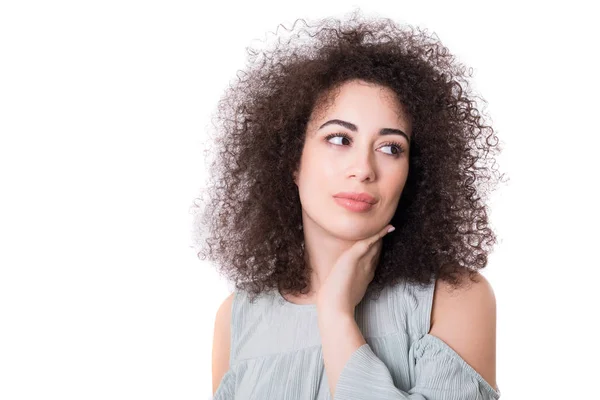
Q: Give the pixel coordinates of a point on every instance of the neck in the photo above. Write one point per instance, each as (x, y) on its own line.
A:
(322, 250)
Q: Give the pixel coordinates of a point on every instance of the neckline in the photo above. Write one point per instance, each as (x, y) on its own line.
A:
(288, 304)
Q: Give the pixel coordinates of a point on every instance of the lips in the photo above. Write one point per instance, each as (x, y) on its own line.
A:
(353, 205)
(364, 197)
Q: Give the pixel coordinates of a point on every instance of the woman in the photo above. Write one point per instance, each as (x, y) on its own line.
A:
(327, 143)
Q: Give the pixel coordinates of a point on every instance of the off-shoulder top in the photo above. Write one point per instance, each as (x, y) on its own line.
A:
(276, 353)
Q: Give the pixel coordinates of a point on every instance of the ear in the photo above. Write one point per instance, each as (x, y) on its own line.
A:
(295, 177)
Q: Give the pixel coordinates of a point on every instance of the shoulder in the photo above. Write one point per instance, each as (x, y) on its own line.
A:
(221, 341)
(223, 318)
(476, 300)
(225, 307)
(465, 318)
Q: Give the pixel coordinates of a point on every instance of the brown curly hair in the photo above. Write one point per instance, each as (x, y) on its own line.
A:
(251, 219)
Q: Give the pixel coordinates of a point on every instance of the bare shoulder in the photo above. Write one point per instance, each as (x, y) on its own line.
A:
(465, 319)
(225, 307)
(221, 341)
(475, 297)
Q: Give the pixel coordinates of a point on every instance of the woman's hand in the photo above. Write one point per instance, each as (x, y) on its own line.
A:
(349, 278)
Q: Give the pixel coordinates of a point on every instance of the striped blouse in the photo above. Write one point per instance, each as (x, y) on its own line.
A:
(276, 352)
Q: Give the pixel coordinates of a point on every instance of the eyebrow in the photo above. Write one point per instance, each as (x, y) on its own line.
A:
(354, 128)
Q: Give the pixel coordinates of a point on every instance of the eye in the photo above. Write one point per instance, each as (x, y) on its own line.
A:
(399, 148)
(338, 135)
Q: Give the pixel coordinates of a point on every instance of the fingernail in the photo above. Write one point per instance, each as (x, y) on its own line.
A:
(391, 229)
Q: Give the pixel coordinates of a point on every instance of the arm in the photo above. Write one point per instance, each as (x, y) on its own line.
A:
(341, 338)
(444, 364)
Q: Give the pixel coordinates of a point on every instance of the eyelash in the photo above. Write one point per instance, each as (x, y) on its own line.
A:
(341, 134)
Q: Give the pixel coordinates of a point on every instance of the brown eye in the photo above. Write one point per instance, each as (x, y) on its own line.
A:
(397, 146)
(342, 135)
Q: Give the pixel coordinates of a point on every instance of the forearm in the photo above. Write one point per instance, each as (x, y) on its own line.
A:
(340, 338)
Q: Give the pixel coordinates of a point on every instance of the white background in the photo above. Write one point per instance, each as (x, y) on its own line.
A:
(103, 106)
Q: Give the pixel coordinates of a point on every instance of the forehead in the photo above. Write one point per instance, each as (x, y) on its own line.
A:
(360, 100)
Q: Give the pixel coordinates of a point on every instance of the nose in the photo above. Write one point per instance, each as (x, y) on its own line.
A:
(362, 167)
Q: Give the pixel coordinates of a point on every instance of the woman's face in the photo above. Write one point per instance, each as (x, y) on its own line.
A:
(366, 161)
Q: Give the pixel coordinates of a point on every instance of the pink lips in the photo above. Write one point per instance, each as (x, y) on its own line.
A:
(355, 201)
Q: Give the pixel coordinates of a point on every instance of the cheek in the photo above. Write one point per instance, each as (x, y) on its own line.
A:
(319, 167)
(316, 180)
(393, 184)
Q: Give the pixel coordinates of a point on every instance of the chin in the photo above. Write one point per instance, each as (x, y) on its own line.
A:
(353, 230)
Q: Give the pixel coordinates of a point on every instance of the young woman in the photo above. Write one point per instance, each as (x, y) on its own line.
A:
(325, 144)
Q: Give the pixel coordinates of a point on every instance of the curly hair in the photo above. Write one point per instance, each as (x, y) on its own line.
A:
(251, 215)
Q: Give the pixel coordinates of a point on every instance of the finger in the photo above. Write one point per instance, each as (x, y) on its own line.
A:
(388, 228)
(373, 239)
(363, 246)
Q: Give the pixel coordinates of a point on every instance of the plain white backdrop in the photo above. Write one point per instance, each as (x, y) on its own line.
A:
(103, 106)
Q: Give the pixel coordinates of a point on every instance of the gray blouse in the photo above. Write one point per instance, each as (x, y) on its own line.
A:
(276, 352)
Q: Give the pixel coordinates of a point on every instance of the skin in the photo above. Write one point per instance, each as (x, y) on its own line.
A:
(366, 163)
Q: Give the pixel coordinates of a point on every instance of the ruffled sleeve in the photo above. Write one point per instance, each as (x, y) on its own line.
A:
(440, 374)
(226, 389)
